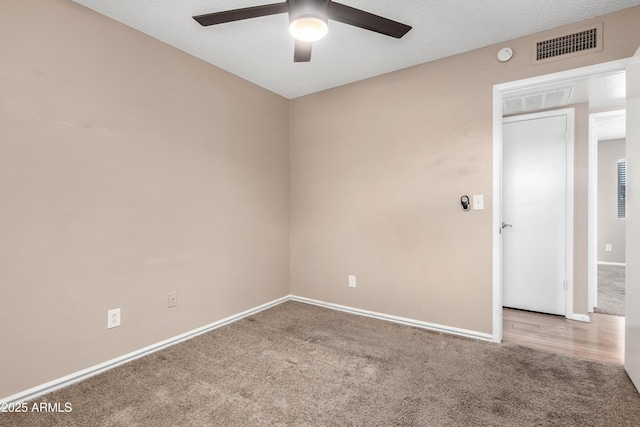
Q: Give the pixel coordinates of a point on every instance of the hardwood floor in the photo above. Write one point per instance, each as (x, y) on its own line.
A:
(601, 340)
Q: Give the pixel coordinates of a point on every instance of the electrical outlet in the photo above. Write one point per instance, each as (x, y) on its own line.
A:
(173, 299)
(608, 247)
(113, 318)
(352, 281)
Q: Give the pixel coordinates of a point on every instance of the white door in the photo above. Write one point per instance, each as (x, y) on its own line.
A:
(534, 211)
(632, 303)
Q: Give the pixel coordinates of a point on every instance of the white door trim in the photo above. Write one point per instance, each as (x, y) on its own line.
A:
(569, 113)
(499, 91)
(632, 252)
(592, 238)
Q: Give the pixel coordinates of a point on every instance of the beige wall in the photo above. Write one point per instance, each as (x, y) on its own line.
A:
(611, 230)
(127, 170)
(580, 209)
(377, 170)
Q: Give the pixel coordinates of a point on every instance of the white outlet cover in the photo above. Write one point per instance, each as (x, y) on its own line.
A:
(113, 318)
(173, 299)
(352, 281)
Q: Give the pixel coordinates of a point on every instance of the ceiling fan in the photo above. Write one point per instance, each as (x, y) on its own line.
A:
(308, 21)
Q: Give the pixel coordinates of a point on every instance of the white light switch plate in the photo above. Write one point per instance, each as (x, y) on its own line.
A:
(478, 201)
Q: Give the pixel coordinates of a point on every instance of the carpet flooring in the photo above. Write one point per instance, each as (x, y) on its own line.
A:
(611, 290)
(301, 365)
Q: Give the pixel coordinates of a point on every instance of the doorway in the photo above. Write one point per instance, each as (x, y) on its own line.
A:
(501, 92)
(607, 207)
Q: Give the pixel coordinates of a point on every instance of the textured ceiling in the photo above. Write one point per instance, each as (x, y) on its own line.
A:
(261, 50)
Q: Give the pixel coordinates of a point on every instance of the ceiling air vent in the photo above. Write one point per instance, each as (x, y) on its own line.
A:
(516, 104)
(562, 46)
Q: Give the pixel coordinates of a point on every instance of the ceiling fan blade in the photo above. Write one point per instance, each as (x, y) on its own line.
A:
(302, 51)
(368, 21)
(240, 14)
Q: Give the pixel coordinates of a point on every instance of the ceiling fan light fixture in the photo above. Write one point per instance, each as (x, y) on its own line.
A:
(308, 28)
(308, 21)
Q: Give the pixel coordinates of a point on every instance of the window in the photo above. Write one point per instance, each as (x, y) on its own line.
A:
(622, 189)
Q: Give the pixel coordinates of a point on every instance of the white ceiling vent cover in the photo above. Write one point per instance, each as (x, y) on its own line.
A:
(567, 45)
(537, 101)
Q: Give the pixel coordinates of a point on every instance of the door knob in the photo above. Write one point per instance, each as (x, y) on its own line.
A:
(506, 225)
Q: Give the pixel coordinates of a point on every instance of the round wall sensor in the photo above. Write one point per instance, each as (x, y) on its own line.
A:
(505, 54)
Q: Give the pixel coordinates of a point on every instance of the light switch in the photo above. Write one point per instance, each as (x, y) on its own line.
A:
(478, 201)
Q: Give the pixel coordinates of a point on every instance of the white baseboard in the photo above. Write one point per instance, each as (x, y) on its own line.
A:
(620, 264)
(402, 320)
(579, 317)
(84, 374)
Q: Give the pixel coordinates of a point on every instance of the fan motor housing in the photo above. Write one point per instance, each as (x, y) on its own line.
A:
(308, 8)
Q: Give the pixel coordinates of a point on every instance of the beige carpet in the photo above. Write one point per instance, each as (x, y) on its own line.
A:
(611, 289)
(301, 365)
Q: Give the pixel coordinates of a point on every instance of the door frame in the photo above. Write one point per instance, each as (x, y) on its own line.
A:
(592, 238)
(499, 91)
(569, 113)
